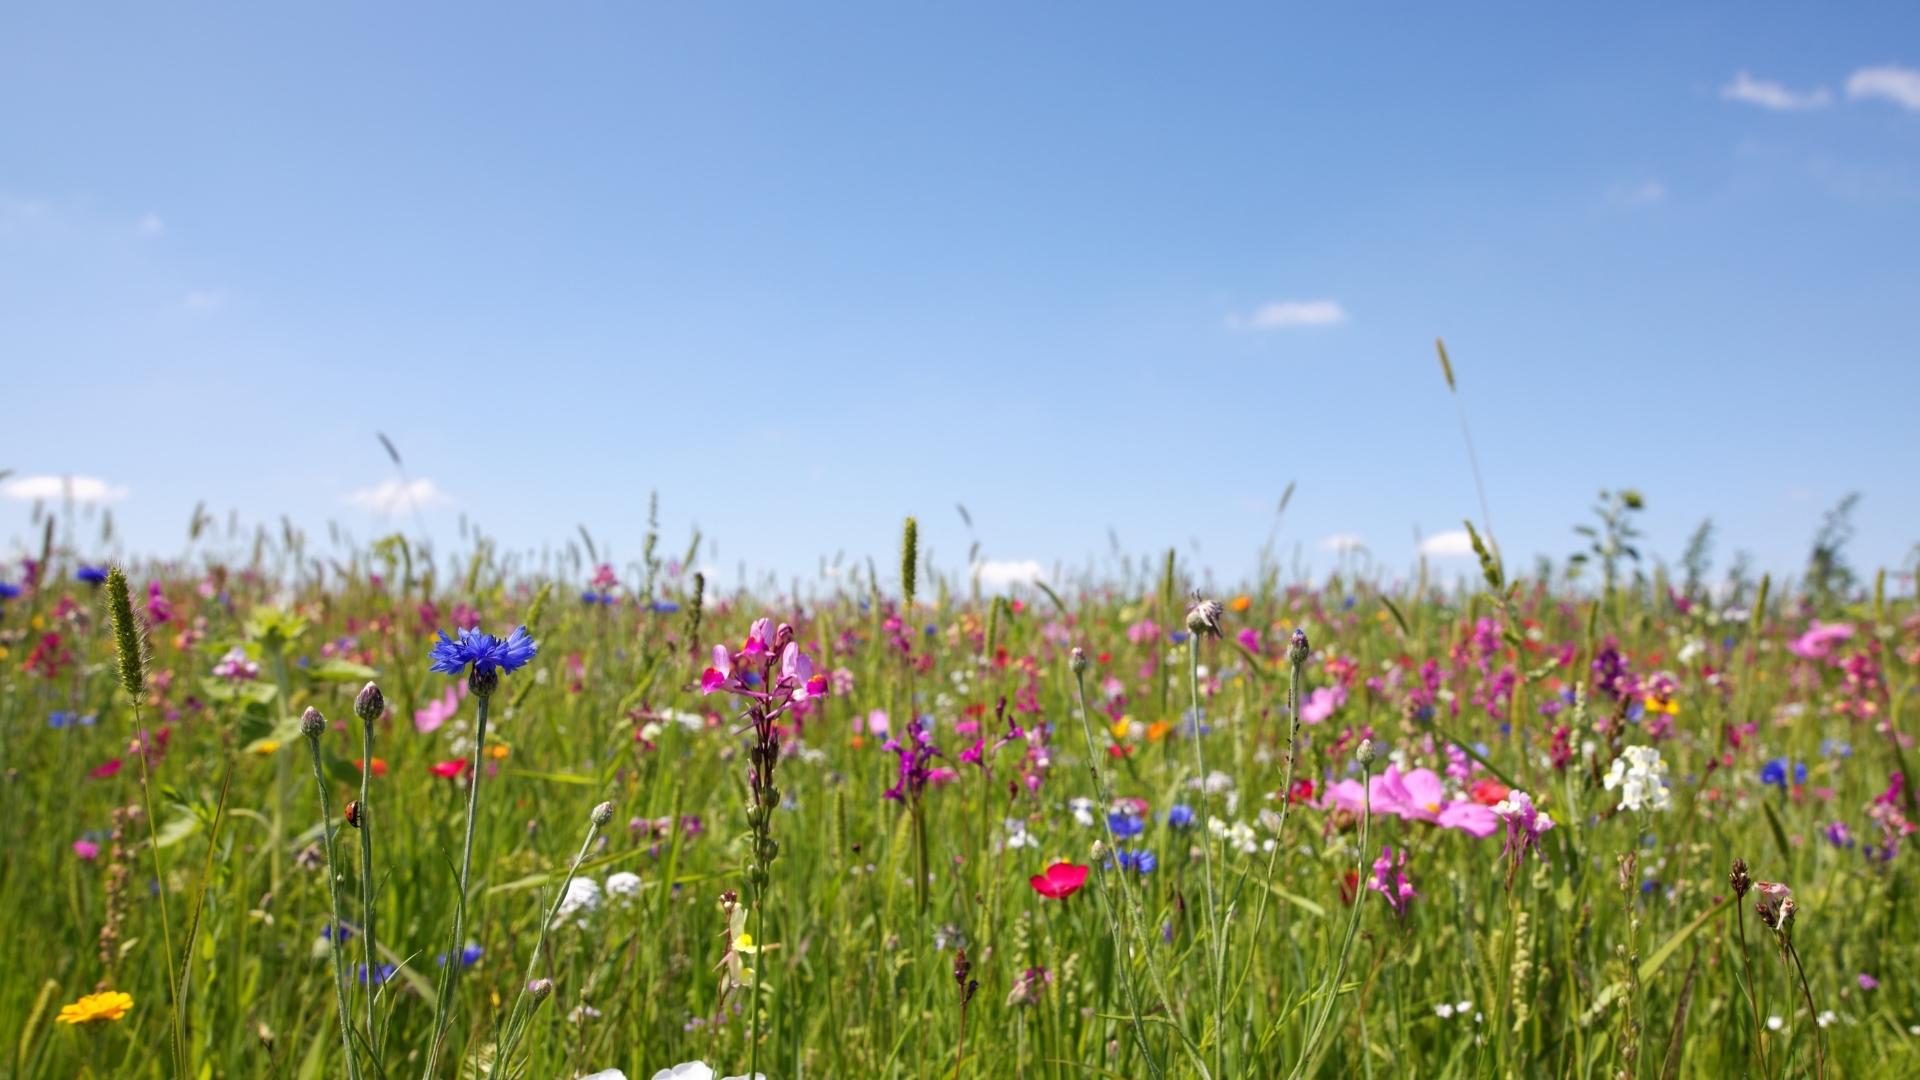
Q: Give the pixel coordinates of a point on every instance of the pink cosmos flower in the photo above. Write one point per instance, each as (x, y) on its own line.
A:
(438, 711)
(1415, 796)
(1819, 640)
(1321, 704)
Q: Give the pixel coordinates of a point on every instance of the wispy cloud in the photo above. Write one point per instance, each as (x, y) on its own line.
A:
(1000, 573)
(1285, 314)
(1453, 544)
(1887, 82)
(1341, 543)
(81, 489)
(1772, 95)
(393, 497)
(1645, 193)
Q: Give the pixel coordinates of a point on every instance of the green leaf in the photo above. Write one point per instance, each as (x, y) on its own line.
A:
(341, 671)
(1779, 832)
(1651, 964)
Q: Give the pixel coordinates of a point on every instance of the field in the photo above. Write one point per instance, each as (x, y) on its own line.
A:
(1495, 824)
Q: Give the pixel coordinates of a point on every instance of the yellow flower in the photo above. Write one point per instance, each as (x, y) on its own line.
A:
(499, 751)
(744, 944)
(1121, 727)
(94, 1008)
(265, 747)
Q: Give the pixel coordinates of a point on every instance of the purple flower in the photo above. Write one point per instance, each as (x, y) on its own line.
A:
(1390, 881)
(916, 763)
(484, 652)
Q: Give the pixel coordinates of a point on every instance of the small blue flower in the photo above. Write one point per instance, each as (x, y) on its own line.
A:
(1178, 637)
(1125, 826)
(1774, 773)
(61, 718)
(92, 575)
(484, 651)
(469, 956)
(381, 973)
(591, 597)
(326, 932)
(1180, 815)
(665, 607)
(1140, 862)
(8, 590)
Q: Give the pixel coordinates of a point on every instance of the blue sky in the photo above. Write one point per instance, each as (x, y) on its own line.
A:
(805, 269)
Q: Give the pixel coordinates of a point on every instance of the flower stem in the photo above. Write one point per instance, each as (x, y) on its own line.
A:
(1332, 991)
(517, 1018)
(366, 879)
(1759, 1036)
(338, 947)
(451, 984)
(1819, 1055)
(1216, 957)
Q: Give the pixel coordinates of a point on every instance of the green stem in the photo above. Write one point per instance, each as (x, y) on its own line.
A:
(337, 946)
(442, 1014)
(517, 1018)
(1332, 991)
(366, 877)
(1215, 956)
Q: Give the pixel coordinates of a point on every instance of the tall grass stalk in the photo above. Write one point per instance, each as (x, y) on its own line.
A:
(313, 725)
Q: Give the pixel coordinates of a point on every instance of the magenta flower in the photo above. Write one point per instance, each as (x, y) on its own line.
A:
(1819, 640)
(797, 675)
(1390, 881)
(437, 711)
(1525, 823)
(1321, 704)
(720, 676)
(1418, 795)
(86, 849)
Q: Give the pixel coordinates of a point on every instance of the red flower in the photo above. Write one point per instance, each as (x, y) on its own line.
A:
(1488, 792)
(379, 766)
(1349, 887)
(105, 769)
(1302, 792)
(1060, 881)
(451, 768)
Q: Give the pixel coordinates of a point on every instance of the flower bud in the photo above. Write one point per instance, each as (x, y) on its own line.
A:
(1099, 851)
(603, 813)
(1204, 617)
(1739, 879)
(1077, 660)
(541, 989)
(1297, 648)
(1365, 753)
(312, 724)
(371, 703)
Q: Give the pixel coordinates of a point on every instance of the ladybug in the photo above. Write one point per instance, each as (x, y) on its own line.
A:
(353, 813)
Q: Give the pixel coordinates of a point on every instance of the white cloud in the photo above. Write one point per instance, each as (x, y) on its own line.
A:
(151, 225)
(204, 300)
(1773, 95)
(1452, 544)
(999, 573)
(393, 497)
(1341, 543)
(1283, 314)
(1645, 193)
(1887, 82)
(81, 489)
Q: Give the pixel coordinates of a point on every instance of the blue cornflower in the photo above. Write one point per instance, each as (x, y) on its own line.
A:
(1140, 862)
(1180, 815)
(381, 973)
(61, 718)
(92, 575)
(484, 651)
(469, 956)
(591, 597)
(326, 932)
(665, 607)
(1774, 773)
(1178, 637)
(1125, 826)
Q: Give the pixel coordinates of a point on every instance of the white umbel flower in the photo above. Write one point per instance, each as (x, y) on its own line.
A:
(1641, 778)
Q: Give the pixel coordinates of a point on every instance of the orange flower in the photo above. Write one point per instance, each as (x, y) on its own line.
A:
(1240, 604)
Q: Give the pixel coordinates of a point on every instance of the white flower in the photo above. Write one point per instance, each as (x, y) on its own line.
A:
(582, 899)
(606, 1074)
(1642, 779)
(1082, 810)
(1827, 1016)
(1018, 836)
(1774, 1023)
(1443, 1010)
(1215, 783)
(624, 885)
(1239, 835)
(696, 1070)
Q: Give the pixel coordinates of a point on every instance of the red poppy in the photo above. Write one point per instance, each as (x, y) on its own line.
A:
(1488, 792)
(379, 765)
(1060, 881)
(451, 768)
(1349, 887)
(1302, 792)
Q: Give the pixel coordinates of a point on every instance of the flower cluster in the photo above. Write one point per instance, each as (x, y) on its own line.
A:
(1641, 778)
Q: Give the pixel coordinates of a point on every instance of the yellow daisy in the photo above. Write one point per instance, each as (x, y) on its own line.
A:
(94, 1008)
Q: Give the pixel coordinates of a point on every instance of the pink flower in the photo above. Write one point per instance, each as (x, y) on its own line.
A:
(1818, 642)
(1390, 881)
(1250, 638)
(1060, 881)
(1321, 704)
(1415, 796)
(105, 769)
(438, 711)
(720, 675)
(86, 849)
(797, 674)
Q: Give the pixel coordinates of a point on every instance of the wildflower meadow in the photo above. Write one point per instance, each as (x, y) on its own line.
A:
(274, 807)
